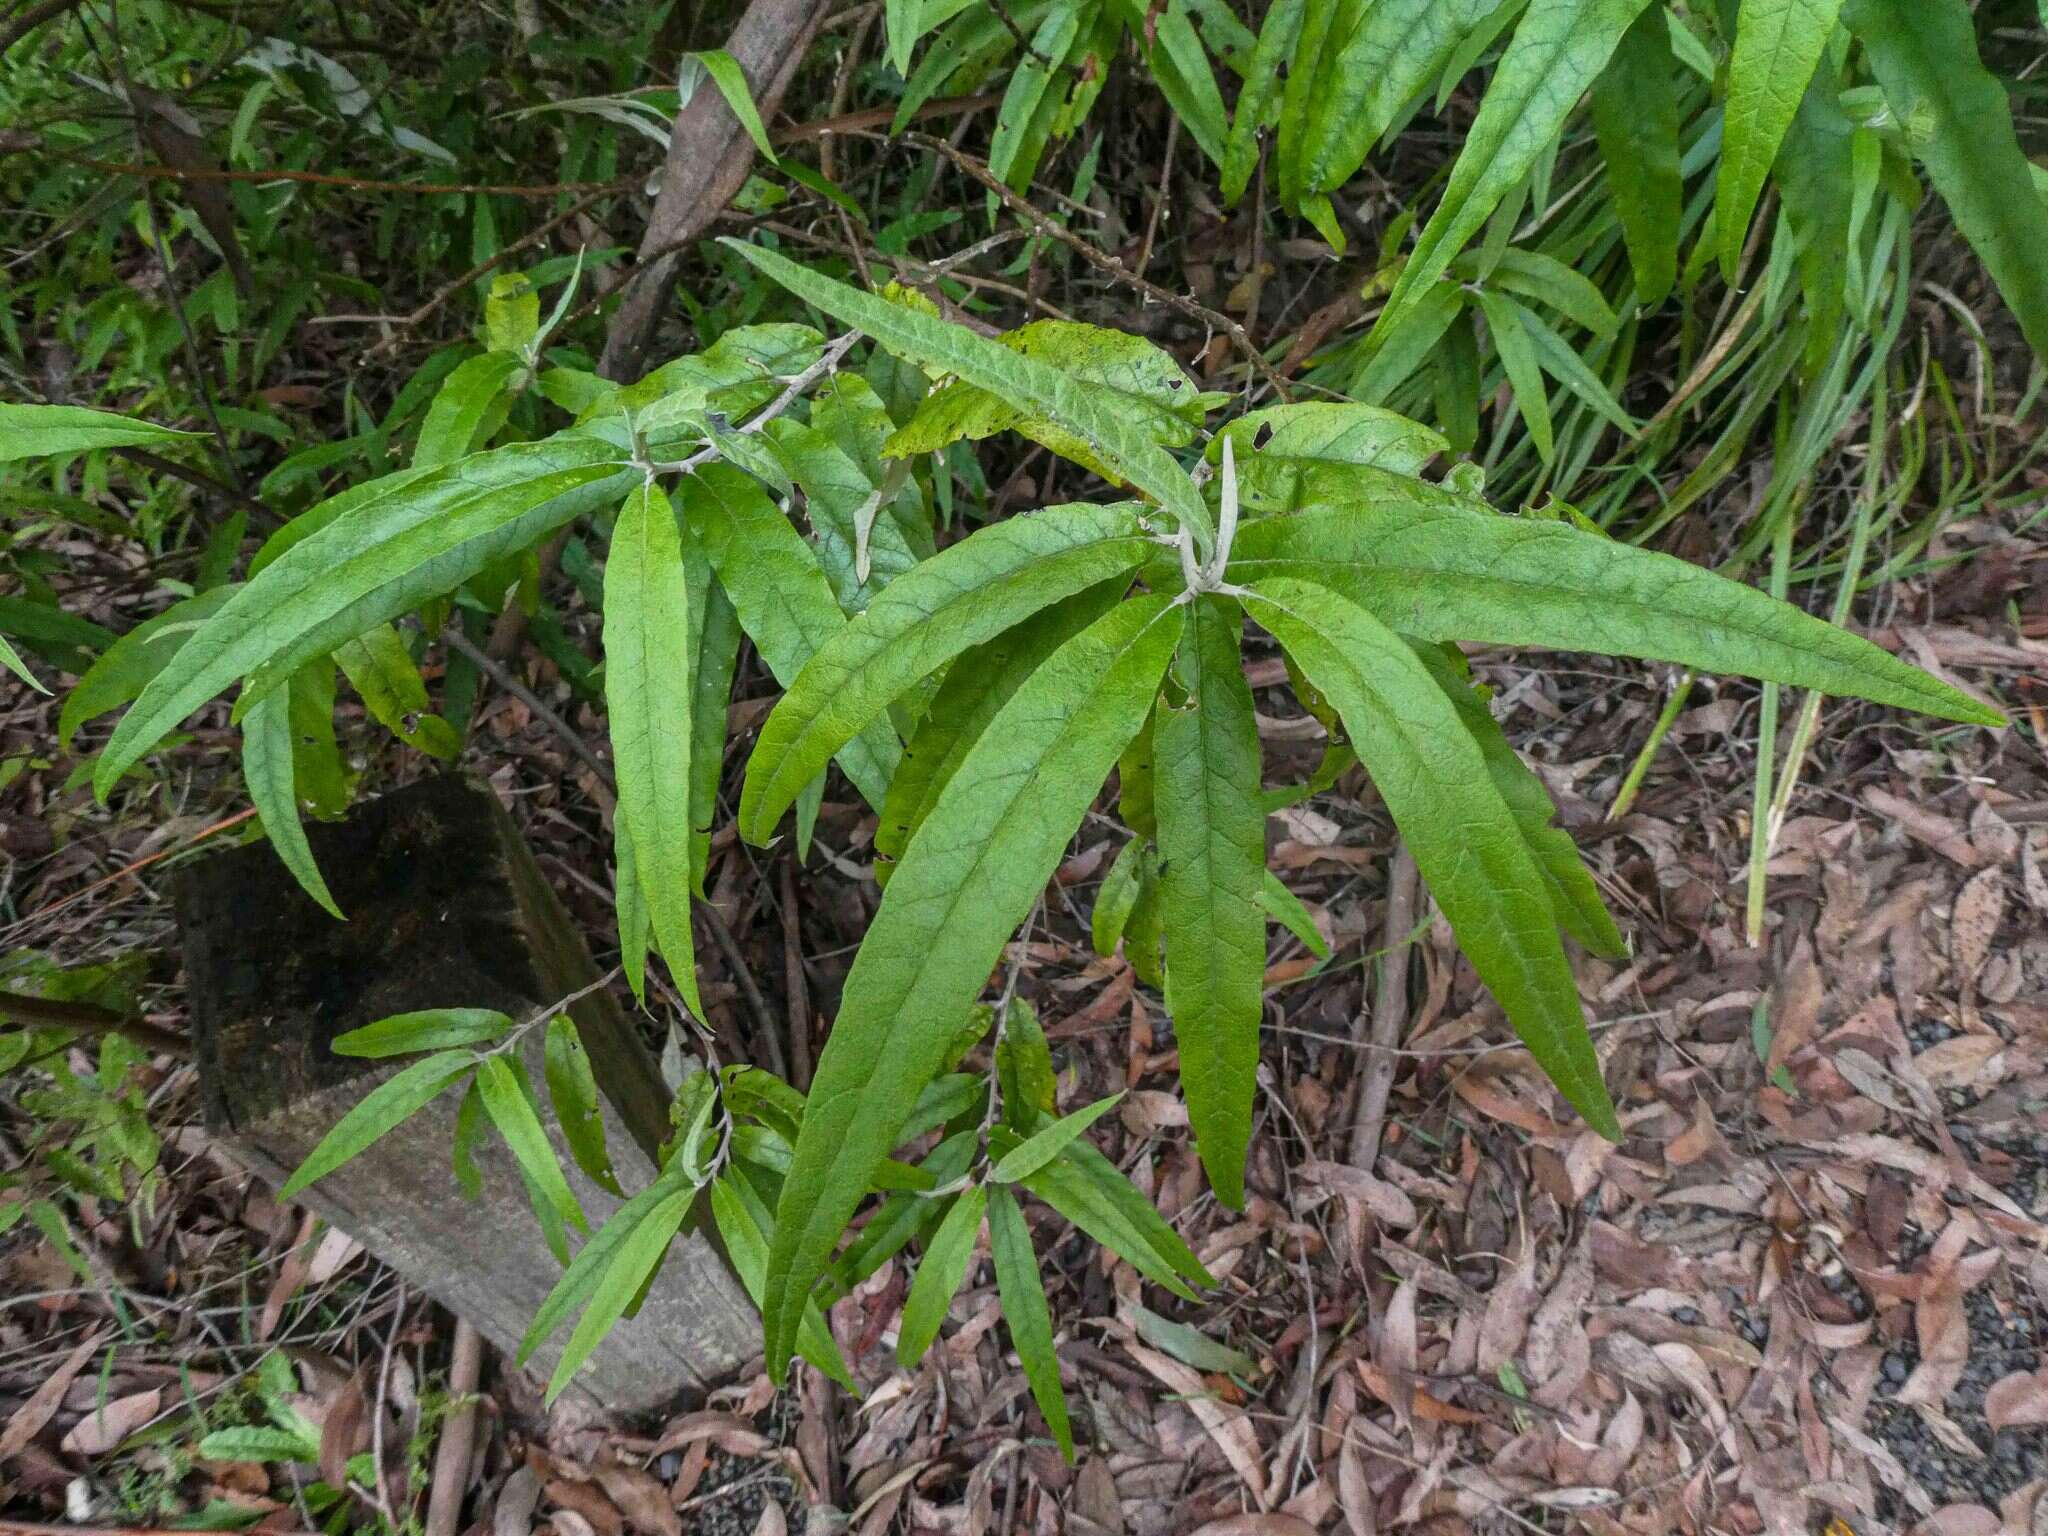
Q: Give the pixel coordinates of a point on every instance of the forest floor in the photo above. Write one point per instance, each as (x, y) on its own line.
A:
(1810, 1284)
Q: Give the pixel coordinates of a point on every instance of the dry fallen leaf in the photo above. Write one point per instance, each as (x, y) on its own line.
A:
(2018, 1400)
(1980, 906)
(31, 1416)
(104, 1428)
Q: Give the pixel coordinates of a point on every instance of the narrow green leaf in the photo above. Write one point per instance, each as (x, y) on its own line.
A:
(633, 1263)
(580, 1279)
(469, 1135)
(381, 1110)
(1023, 115)
(1258, 99)
(629, 901)
(903, 25)
(1285, 908)
(1559, 48)
(1520, 582)
(267, 770)
(1116, 896)
(1960, 125)
(731, 81)
(939, 1275)
(381, 670)
(45, 431)
(1534, 275)
(380, 550)
(988, 365)
(11, 660)
(1212, 843)
(469, 406)
(978, 683)
(1465, 841)
(572, 1088)
(1042, 1146)
(430, 1029)
(1024, 1309)
(648, 699)
(1299, 96)
(1778, 45)
(782, 598)
(748, 1249)
(966, 596)
(1180, 67)
(125, 668)
(1518, 357)
(1635, 118)
(506, 1096)
(992, 841)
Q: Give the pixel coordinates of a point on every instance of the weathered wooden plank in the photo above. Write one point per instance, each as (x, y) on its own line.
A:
(446, 908)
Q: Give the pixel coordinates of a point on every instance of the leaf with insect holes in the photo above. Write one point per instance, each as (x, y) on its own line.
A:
(982, 857)
(380, 1111)
(967, 595)
(1558, 49)
(1959, 122)
(939, 1275)
(1635, 119)
(572, 1088)
(1096, 416)
(267, 770)
(978, 684)
(1290, 456)
(430, 1029)
(1024, 1309)
(1042, 1146)
(392, 544)
(631, 1264)
(1778, 45)
(508, 1101)
(1437, 575)
(471, 404)
(382, 671)
(648, 698)
(1212, 845)
(46, 431)
(1435, 782)
(782, 598)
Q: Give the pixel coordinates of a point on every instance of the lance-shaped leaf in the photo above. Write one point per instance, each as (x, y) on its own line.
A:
(1212, 844)
(572, 1088)
(394, 543)
(1091, 1192)
(267, 770)
(1573, 896)
(1517, 581)
(469, 407)
(430, 1029)
(1778, 45)
(1559, 48)
(1635, 118)
(11, 660)
(970, 875)
(1258, 100)
(1096, 416)
(1464, 838)
(131, 661)
(509, 1102)
(580, 1279)
(740, 1222)
(43, 431)
(382, 1110)
(963, 597)
(714, 648)
(648, 700)
(782, 598)
(632, 1262)
(939, 1275)
(1047, 1143)
(1024, 1309)
(979, 683)
(1959, 118)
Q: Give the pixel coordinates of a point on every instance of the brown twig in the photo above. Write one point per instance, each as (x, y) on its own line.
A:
(503, 676)
(352, 183)
(26, 21)
(200, 479)
(1165, 191)
(743, 977)
(1390, 1009)
(88, 1018)
(458, 1434)
(1105, 262)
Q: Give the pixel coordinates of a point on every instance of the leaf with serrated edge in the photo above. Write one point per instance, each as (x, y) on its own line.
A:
(377, 1113)
(1778, 45)
(397, 542)
(1559, 48)
(267, 770)
(1438, 575)
(1465, 840)
(969, 876)
(1212, 843)
(1089, 413)
(45, 431)
(648, 700)
(965, 596)
(939, 1275)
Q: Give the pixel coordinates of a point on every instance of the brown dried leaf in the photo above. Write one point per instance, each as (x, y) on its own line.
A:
(1228, 1427)
(1390, 1204)
(105, 1428)
(641, 1499)
(31, 1416)
(1558, 1319)
(2018, 1400)
(1257, 1525)
(1980, 906)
